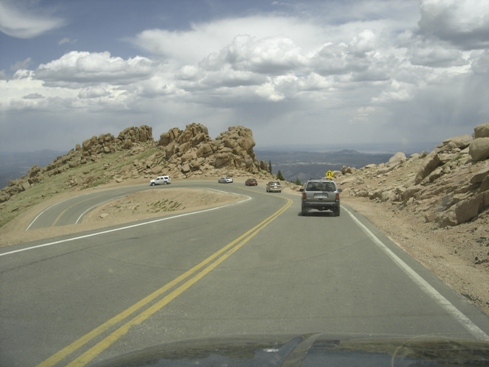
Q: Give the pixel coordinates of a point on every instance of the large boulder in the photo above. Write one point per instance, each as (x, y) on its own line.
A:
(204, 150)
(397, 159)
(480, 175)
(460, 142)
(479, 149)
(409, 192)
(169, 136)
(222, 160)
(481, 131)
(464, 211)
(431, 162)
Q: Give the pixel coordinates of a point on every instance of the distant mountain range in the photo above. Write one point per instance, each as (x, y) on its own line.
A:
(408, 148)
(303, 165)
(307, 161)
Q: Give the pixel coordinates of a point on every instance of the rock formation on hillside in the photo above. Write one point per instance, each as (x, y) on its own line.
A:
(192, 150)
(448, 186)
(180, 153)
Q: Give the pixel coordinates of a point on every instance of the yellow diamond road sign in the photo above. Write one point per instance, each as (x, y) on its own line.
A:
(329, 174)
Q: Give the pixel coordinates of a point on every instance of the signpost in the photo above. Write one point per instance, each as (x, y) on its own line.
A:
(329, 175)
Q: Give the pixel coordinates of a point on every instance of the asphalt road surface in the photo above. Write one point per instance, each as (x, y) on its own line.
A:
(253, 267)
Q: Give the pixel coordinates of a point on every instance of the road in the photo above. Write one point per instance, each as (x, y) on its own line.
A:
(72, 211)
(252, 267)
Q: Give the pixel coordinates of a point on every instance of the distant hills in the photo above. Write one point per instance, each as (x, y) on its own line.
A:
(292, 164)
(384, 147)
(15, 165)
(294, 161)
(303, 165)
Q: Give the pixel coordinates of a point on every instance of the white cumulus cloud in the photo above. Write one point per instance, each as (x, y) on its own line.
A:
(25, 23)
(76, 68)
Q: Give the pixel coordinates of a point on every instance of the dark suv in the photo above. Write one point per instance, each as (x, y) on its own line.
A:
(321, 194)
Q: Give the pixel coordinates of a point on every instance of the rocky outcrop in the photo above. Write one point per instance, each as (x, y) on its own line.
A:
(180, 153)
(447, 187)
(107, 143)
(192, 151)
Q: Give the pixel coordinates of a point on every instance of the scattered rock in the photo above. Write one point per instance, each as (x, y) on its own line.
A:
(445, 187)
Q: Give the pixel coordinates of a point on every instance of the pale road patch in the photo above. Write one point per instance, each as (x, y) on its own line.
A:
(424, 285)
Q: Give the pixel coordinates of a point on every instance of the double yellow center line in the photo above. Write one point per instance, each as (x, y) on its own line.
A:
(194, 274)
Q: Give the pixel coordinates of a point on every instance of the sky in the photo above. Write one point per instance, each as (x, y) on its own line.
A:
(296, 73)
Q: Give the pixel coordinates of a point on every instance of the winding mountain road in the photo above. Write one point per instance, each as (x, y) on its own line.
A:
(71, 211)
(252, 267)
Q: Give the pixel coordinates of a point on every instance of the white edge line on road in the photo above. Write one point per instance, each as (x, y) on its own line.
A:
(425, 286)
(126, 227)
(49, 207)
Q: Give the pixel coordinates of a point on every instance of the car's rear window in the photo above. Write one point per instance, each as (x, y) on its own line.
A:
(320, 186)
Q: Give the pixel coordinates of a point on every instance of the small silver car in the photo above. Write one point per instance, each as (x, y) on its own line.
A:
(274, 186)
(225, 180)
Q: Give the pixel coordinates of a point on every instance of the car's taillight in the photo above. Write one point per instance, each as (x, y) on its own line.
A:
(304, 196)
(337, 197)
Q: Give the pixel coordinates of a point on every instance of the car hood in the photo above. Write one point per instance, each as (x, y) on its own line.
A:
(309, 350)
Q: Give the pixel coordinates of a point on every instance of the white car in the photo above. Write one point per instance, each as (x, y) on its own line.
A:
(225, 180)
(160, 180)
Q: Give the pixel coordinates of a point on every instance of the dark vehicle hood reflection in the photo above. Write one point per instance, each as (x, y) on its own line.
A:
(309, 350)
